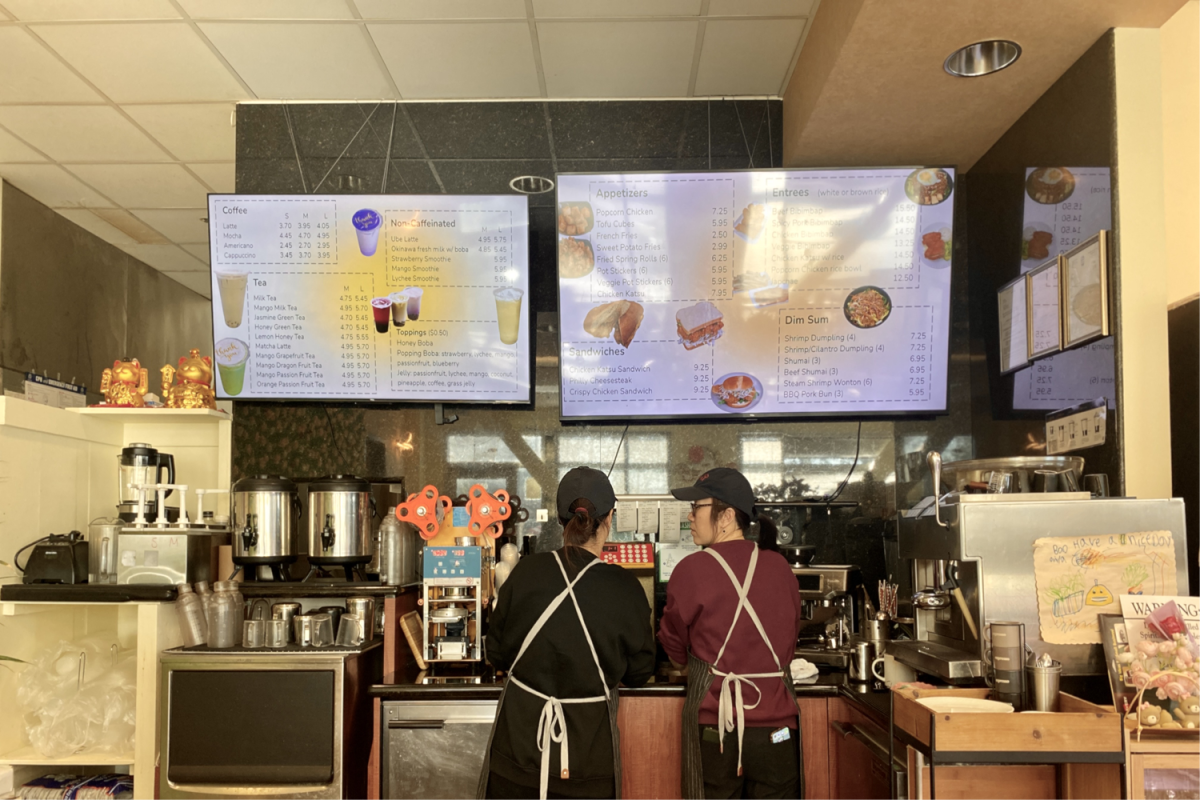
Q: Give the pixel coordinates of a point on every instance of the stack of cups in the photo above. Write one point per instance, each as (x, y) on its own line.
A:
(1008, 662)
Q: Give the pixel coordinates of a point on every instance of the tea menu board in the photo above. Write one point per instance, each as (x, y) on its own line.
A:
(813, 292)
(381, 297)
(1064, 206)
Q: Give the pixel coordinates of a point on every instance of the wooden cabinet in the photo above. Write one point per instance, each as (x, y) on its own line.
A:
(1161, 765)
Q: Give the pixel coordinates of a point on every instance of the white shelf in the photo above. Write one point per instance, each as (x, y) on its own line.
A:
(174, 415)
(14, 608)
(29, 756)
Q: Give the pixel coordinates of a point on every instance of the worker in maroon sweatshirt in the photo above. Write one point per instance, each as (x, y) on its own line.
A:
(732, 615)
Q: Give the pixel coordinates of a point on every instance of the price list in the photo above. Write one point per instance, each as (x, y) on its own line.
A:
(371, 297)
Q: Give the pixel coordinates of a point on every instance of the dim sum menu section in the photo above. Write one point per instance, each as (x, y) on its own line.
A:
(387, 297)
(808, 292)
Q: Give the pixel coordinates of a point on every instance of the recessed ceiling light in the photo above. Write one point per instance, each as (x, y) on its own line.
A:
(531, 184)
(982, 58)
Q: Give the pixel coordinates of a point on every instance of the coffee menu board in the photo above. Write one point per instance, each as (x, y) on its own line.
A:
(1064, 206)
(371, 297)
(754, 293)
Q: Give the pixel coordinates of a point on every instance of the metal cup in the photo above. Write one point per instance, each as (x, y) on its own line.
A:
(334, 612)
(1043, 686)
(1045, 480)
(1097, 484)
(1067, 481)
(288, 613)
(322, 635)
(365, 608)
(350, 632)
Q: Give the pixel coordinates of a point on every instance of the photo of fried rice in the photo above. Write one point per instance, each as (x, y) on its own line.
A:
(575, 218)
(928, 186)
(575, 258)
(1050, 185)
(867, 307)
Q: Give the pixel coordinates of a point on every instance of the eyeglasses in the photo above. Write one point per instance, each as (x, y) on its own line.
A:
(699, 505)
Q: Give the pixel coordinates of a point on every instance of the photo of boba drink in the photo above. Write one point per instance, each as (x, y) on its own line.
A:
(399, 308)
(231, 283)
(381, 307)
(508, 313)
(367, 224)
(232, 355)
(414, 302)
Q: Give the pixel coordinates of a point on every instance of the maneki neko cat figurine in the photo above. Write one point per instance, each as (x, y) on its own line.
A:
(124, 384)
(192, 382)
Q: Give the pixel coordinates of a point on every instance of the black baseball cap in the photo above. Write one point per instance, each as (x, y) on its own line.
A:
(724, 484)
(590, 484)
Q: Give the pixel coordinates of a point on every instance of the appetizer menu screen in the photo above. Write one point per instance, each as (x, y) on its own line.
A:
(814, 292)
(379, 297)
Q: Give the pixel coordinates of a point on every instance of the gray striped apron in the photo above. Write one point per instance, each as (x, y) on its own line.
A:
(552, 727)
(731, 706)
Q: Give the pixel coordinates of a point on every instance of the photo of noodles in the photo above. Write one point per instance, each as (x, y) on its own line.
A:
(1050, 185)
(867, 307)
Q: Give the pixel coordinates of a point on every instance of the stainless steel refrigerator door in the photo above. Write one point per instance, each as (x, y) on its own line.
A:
(434, 749)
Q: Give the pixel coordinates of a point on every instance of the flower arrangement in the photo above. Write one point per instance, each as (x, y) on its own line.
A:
(1169, 667)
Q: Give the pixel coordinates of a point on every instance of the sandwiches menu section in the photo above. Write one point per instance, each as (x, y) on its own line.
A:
(380, 297)
(816, 292)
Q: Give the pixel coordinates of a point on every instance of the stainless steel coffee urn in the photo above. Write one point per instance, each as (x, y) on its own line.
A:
(339, 521)
(265, 519)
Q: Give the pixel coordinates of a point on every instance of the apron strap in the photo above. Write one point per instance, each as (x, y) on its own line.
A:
(743, 591)
(550, 609)
(579, 613)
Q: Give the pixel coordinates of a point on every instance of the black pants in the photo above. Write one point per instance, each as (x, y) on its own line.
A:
(768, 769)
(502, 788)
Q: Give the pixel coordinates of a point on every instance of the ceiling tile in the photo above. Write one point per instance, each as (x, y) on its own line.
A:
(165, 257)
(144, 63)
(724, 68)
(199, 282)
(180, 225)
(290, 61)
(617, 59)
(80, 133)
(267, 9)
(424, 9)
(760, 8)
(52, 185)
(29, 73)
(492, 59)
(194, 132)
(145, 185)
(39, 10)
(13, 149)
(85, 219)
(200, 251)
(616, 8)
(219, 177)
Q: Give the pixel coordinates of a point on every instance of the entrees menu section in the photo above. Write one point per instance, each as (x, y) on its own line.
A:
(814, 292)
(371, 297)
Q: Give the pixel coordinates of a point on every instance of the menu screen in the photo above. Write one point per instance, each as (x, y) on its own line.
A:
(371, 297)
(814, 292)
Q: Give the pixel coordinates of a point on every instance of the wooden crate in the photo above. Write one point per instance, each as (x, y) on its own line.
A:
(1079, 732)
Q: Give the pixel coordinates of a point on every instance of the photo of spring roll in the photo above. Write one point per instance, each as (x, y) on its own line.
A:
(619, 319)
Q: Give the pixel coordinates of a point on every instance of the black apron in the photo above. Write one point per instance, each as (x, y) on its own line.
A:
(731, 705)
(553, 725)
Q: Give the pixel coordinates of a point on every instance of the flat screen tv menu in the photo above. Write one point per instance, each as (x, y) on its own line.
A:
(815, 292)
(384, 297)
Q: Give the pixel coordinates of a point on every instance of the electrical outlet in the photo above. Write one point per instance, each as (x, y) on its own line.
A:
(543, 515)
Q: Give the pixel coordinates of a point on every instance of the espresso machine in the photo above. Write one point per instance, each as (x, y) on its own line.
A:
(832, 612)
(971, 557)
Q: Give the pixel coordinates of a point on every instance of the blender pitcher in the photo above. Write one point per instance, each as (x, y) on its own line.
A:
(139, 463)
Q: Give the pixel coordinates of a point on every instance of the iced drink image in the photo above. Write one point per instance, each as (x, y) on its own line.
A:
(367, 224)
(232, 355)
(399, 308)
(381, 307)
(414, 302)
(508, 313)
(231, 283)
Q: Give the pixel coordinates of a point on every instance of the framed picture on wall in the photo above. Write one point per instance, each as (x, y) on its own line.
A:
(1084, 300)
(1042, 309)
(1014, 331)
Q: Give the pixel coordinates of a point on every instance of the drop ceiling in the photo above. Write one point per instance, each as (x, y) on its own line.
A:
(119, 113)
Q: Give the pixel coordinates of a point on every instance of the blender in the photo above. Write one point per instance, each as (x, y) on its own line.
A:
(141, 464)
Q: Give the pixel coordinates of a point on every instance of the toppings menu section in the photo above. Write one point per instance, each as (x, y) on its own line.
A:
(816, 292)
(380, 297)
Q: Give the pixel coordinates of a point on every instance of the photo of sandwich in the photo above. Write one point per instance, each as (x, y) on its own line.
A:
(867, 307)
(575, 258)
(575, 218)
(749, 225)
(698, 324)
(1035, 242)
(736, 392)
(619, 319)
(1050, 185)
(929, 186)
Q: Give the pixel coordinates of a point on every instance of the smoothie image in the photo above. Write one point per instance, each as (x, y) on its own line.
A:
(381, 307)
(399, 308)
(367, 224)
(508, 313)
(232, 355)
(231, 283)
(414, 302)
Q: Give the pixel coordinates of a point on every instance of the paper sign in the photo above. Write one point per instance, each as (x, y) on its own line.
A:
(1078, 577)
(670, 517)
(627, 516)
(1135, 607)
(670, 555)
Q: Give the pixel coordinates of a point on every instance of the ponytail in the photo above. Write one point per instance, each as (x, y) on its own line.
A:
(581, 527)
